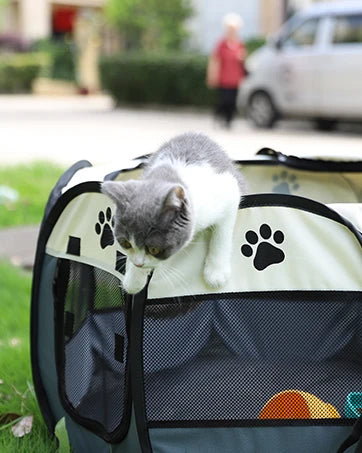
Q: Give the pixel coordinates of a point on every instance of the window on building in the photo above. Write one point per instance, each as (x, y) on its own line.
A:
(304, 35)
(348, 30)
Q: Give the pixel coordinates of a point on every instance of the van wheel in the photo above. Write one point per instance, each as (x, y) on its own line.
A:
(261, 110)
(325, 125)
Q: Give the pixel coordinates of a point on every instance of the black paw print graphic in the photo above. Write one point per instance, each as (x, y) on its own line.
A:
(285, 183)
(104, 228)
(266, 253)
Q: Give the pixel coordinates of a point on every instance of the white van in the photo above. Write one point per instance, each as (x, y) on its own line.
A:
(312, 68)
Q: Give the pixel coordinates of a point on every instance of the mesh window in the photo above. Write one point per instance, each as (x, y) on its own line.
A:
(224, 358)
(91, 344)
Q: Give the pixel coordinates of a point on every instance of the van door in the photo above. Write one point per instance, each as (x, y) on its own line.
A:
(342, 68)
(297, 69)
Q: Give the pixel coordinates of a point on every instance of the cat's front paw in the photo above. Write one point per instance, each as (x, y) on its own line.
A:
(134, 285)
(216, 275)
(132, 288)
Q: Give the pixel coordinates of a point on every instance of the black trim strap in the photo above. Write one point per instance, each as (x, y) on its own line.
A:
(282, 296)
(354, 437)
(138, 387)
(62, 182)
(248, 423)
(301, 203)
(301, 163)
(114, 175)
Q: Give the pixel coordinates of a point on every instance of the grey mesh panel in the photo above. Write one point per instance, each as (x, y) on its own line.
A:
(84, 381)
(92, 343)
(247, 349)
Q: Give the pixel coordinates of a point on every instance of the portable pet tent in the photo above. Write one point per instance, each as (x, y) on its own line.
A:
(179, 368)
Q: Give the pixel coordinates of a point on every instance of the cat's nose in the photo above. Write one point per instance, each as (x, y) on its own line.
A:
(139, 265)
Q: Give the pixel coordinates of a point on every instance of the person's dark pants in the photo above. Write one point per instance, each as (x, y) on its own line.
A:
(226, 104)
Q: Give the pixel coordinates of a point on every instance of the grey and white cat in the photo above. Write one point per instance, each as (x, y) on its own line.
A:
(188, 185)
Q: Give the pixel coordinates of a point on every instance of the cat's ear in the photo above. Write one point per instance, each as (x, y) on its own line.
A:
(118, 191)
(174, 199)
(113, 190)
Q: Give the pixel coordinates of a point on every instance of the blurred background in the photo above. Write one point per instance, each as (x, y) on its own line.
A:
(109, 80)
(68, 63)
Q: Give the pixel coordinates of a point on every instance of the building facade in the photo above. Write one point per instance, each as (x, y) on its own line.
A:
(260, 17)
(37, 19)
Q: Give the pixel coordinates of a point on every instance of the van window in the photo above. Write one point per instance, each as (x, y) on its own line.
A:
(304, 35)
(348, 30)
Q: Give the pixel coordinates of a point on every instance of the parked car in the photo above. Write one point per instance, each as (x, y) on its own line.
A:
(312, 68)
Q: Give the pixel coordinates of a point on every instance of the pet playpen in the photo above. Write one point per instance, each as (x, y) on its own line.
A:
(272, 362)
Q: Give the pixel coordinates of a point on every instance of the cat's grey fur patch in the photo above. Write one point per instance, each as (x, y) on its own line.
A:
(194, 149)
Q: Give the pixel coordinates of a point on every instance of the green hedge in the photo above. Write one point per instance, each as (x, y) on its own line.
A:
(253, 44)
(173, 79)
(156, 79)
(61, 56)
(17, 71)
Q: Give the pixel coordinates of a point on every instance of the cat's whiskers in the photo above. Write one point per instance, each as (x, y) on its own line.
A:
(179, 277)
(119, 260)
(121, 269)
(193, 243)
(166, 277)
(175, 271)
(185, 252)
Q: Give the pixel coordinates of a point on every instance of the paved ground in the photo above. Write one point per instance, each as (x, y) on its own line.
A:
(69, 129)
(18, 245)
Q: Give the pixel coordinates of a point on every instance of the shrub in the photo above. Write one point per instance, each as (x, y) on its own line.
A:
(171, 79)
(17, 71)
(253, 44)
(61, 58)
(10, 42)
(150, 25)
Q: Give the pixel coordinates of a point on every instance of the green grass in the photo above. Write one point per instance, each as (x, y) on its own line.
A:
(33, 182)
(16, 391)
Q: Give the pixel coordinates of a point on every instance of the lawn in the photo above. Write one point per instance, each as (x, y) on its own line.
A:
(33, 182)
(16, 390)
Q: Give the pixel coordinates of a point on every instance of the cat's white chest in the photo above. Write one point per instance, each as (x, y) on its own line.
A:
(209, 193)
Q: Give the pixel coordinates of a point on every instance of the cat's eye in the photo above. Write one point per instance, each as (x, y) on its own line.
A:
(154, 251)
(126, 244)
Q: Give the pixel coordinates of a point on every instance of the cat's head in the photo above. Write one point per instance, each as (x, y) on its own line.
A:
(152, 220)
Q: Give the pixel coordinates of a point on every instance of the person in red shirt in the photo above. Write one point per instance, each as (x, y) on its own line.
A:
(226, 68)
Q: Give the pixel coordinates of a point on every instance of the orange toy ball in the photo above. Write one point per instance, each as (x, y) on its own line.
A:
(298, 405)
